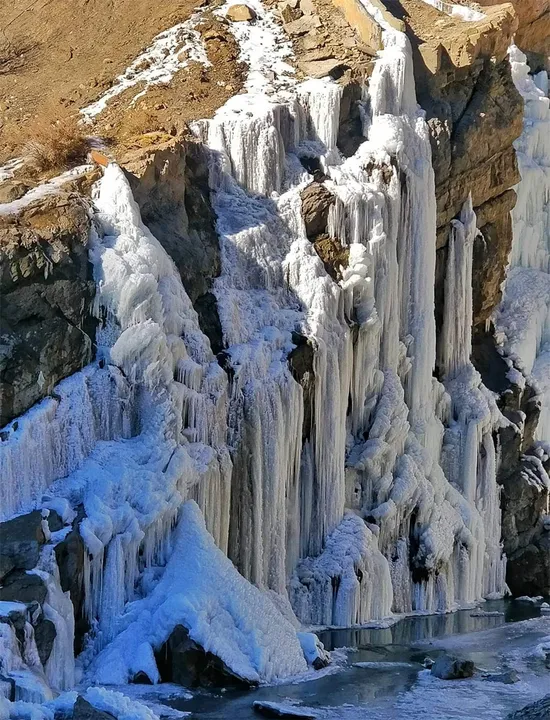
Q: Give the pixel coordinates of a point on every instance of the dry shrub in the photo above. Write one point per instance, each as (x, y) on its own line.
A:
(13, 53)
(53, 143)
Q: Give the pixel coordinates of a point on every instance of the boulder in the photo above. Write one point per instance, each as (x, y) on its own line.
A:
(240, 13)
(449, 667)
(331, 67)
(83, 710)
(508, 677)
(316, 203)
(302, 25)
(314, 650)
(12, 190)
(281, 710)
(44, 636)
(20, 586)
(20, 542)
(181, 660)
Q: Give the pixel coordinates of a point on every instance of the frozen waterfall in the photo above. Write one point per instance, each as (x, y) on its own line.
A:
(371, 492)
(523, 321)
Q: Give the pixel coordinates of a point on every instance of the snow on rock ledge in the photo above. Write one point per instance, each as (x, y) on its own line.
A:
(224, 614)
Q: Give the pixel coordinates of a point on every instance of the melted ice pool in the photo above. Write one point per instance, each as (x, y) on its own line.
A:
(380, 671)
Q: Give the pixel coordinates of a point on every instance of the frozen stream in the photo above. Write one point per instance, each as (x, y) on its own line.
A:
(394, 684)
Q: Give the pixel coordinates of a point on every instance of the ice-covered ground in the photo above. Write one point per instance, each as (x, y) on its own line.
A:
(395, 685)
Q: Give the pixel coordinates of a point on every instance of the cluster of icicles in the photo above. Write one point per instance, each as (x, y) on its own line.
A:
(388, 502)
(523, 320)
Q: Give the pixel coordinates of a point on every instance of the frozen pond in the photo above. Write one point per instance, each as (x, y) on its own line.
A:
(391, 682)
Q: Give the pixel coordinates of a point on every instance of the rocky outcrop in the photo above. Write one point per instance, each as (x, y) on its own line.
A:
(47, 290)
(533, 34)
(20, 542)
(475, 114)
(526, 526)
(170, 184)
(181, 660)
(83, 710)
(448, 667)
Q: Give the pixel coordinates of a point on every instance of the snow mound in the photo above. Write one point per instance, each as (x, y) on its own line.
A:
(226, 615)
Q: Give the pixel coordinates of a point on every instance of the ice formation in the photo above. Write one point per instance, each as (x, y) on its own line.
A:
(226, 615)
(461, 12)
(523, 321)
(374, 491)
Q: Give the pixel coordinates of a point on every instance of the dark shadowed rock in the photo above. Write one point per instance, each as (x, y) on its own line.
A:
(508, 677)
(301, 361)
(449, 667)
(280, 710)
(183, 661)
(83, 710)
(44, 635)
(170, 185)
(20, 542)
(539, 710)
(70, 559)
(7, 688)
(141, 678)
(20, 586)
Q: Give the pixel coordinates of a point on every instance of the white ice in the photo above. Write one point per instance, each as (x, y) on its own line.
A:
(226, 615)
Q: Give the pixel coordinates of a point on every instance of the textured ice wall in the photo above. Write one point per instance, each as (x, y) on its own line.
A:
(226, 615)
(381, 420)
(523, 319)
(411, 458)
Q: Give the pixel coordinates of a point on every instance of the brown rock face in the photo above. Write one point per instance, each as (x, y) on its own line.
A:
(170, 185)
(475, 114)
(47, 290)
(534, 24)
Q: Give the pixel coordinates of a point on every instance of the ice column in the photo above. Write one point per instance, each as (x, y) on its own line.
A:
(523, 321)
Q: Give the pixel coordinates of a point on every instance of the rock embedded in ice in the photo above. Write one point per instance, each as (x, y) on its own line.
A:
(225, 617)
(449, 667)
(185, 662)
(282, 710)
(314, 650)
(508, 677)
(20, 542)
(83, 710)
